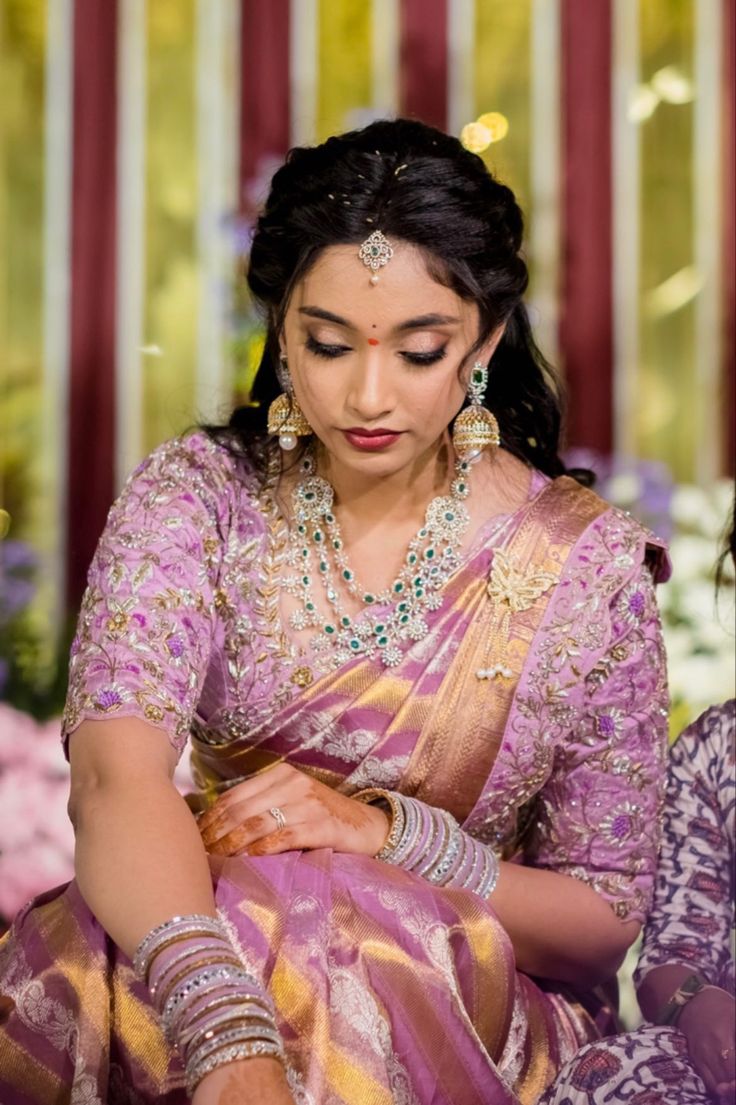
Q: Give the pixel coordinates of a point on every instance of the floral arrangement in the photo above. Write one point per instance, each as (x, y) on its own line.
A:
(37, 843)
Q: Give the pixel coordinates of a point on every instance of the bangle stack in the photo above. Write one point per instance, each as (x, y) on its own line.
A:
(212, 1010)
(429, 842)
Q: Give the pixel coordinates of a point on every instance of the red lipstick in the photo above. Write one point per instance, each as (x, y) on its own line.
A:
(371, 440)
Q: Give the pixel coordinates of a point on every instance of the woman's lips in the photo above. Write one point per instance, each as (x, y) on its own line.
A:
(371, 439)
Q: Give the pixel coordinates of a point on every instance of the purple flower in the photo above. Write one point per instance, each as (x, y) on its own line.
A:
(18, 564)
(175, 645)
(606, 726)
(620, 826)
(637, 604)
(17, 556)
(109, 698)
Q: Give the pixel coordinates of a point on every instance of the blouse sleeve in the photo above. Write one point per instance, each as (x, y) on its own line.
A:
(600, 809)
(692, 918)
(147, 621)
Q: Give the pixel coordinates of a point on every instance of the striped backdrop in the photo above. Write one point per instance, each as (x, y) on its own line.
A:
(138, 139)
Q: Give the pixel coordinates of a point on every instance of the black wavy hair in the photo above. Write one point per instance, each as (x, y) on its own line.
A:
(728, 548)
(422, 186)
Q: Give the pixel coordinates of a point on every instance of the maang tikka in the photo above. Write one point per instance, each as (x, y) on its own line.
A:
(285, 417)
(475, 427)
(375, 252)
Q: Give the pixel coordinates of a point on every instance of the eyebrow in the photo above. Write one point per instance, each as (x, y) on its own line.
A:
(421, 322)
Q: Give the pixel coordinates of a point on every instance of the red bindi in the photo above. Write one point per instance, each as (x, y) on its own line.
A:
(373, 341)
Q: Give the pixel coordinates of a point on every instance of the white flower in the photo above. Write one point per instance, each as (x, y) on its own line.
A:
(624, 489)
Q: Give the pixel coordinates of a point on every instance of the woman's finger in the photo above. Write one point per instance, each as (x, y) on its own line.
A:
(295, 837)
(243, 792)
(285, 791)
(240, 835)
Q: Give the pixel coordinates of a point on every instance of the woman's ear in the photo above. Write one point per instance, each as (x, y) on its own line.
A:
(492, 344)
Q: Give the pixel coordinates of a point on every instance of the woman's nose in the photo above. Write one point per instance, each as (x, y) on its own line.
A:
(371, 389)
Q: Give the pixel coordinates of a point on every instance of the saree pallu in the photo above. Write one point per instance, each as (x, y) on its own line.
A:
(386, 989)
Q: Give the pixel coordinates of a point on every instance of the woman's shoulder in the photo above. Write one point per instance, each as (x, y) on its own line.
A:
(195, 465)
(604, 526)
(194, 453)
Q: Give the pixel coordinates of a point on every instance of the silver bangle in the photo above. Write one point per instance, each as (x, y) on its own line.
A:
(232, 998)
(247, 1015)
(426, 862)
(175, 1002)
(438, 875)
(469, 878)
(408, 838)
(245, 1034)
(245, 1050)
(145, 951)
(488, 884)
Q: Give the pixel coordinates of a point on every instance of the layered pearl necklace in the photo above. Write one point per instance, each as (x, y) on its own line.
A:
(315, 539)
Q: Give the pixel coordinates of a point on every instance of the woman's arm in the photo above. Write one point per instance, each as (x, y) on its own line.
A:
(139, 858)
(560, 927)
(140, 861)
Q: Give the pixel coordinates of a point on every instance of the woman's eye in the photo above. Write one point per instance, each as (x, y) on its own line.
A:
(430, 357)
(320, 349)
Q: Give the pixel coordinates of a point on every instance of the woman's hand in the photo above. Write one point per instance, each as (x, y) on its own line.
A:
(708, 1022)
(248, 1082)
(315, 816)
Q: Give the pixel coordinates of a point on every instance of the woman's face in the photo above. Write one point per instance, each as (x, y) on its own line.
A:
(375, 368)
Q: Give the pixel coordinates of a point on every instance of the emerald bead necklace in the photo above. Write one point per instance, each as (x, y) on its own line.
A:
(316, 551)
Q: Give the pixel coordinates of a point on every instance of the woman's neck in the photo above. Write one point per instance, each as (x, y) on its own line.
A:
(400, 495)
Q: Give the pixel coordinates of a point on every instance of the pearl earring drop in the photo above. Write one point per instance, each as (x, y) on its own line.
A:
(287, 442)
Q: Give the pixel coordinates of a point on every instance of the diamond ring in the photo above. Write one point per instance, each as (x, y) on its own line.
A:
(278, 816)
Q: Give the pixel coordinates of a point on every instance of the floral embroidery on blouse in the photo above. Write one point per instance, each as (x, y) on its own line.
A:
(580, 774)
(176, 625)
(693, 915)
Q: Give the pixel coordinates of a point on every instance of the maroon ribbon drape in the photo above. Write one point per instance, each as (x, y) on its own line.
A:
(586, 307)
(92, 322)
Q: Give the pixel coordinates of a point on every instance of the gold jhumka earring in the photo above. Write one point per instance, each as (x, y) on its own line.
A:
(285, 417)
(476, 428)
(375, 252)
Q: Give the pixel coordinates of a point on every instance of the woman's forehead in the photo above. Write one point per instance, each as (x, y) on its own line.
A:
(339, 282)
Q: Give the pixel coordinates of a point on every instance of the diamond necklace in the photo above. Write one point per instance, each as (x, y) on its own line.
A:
(431, 558)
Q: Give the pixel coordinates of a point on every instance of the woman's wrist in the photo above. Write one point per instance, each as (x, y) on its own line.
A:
(261, 1079)
(429, 842)
(213, 1011)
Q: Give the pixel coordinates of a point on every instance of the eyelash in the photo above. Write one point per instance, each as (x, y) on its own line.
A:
(330, 352)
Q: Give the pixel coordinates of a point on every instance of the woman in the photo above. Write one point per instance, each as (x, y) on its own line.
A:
(493, 687)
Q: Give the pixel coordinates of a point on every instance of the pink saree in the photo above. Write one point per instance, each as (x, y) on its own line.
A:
(535, 712)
